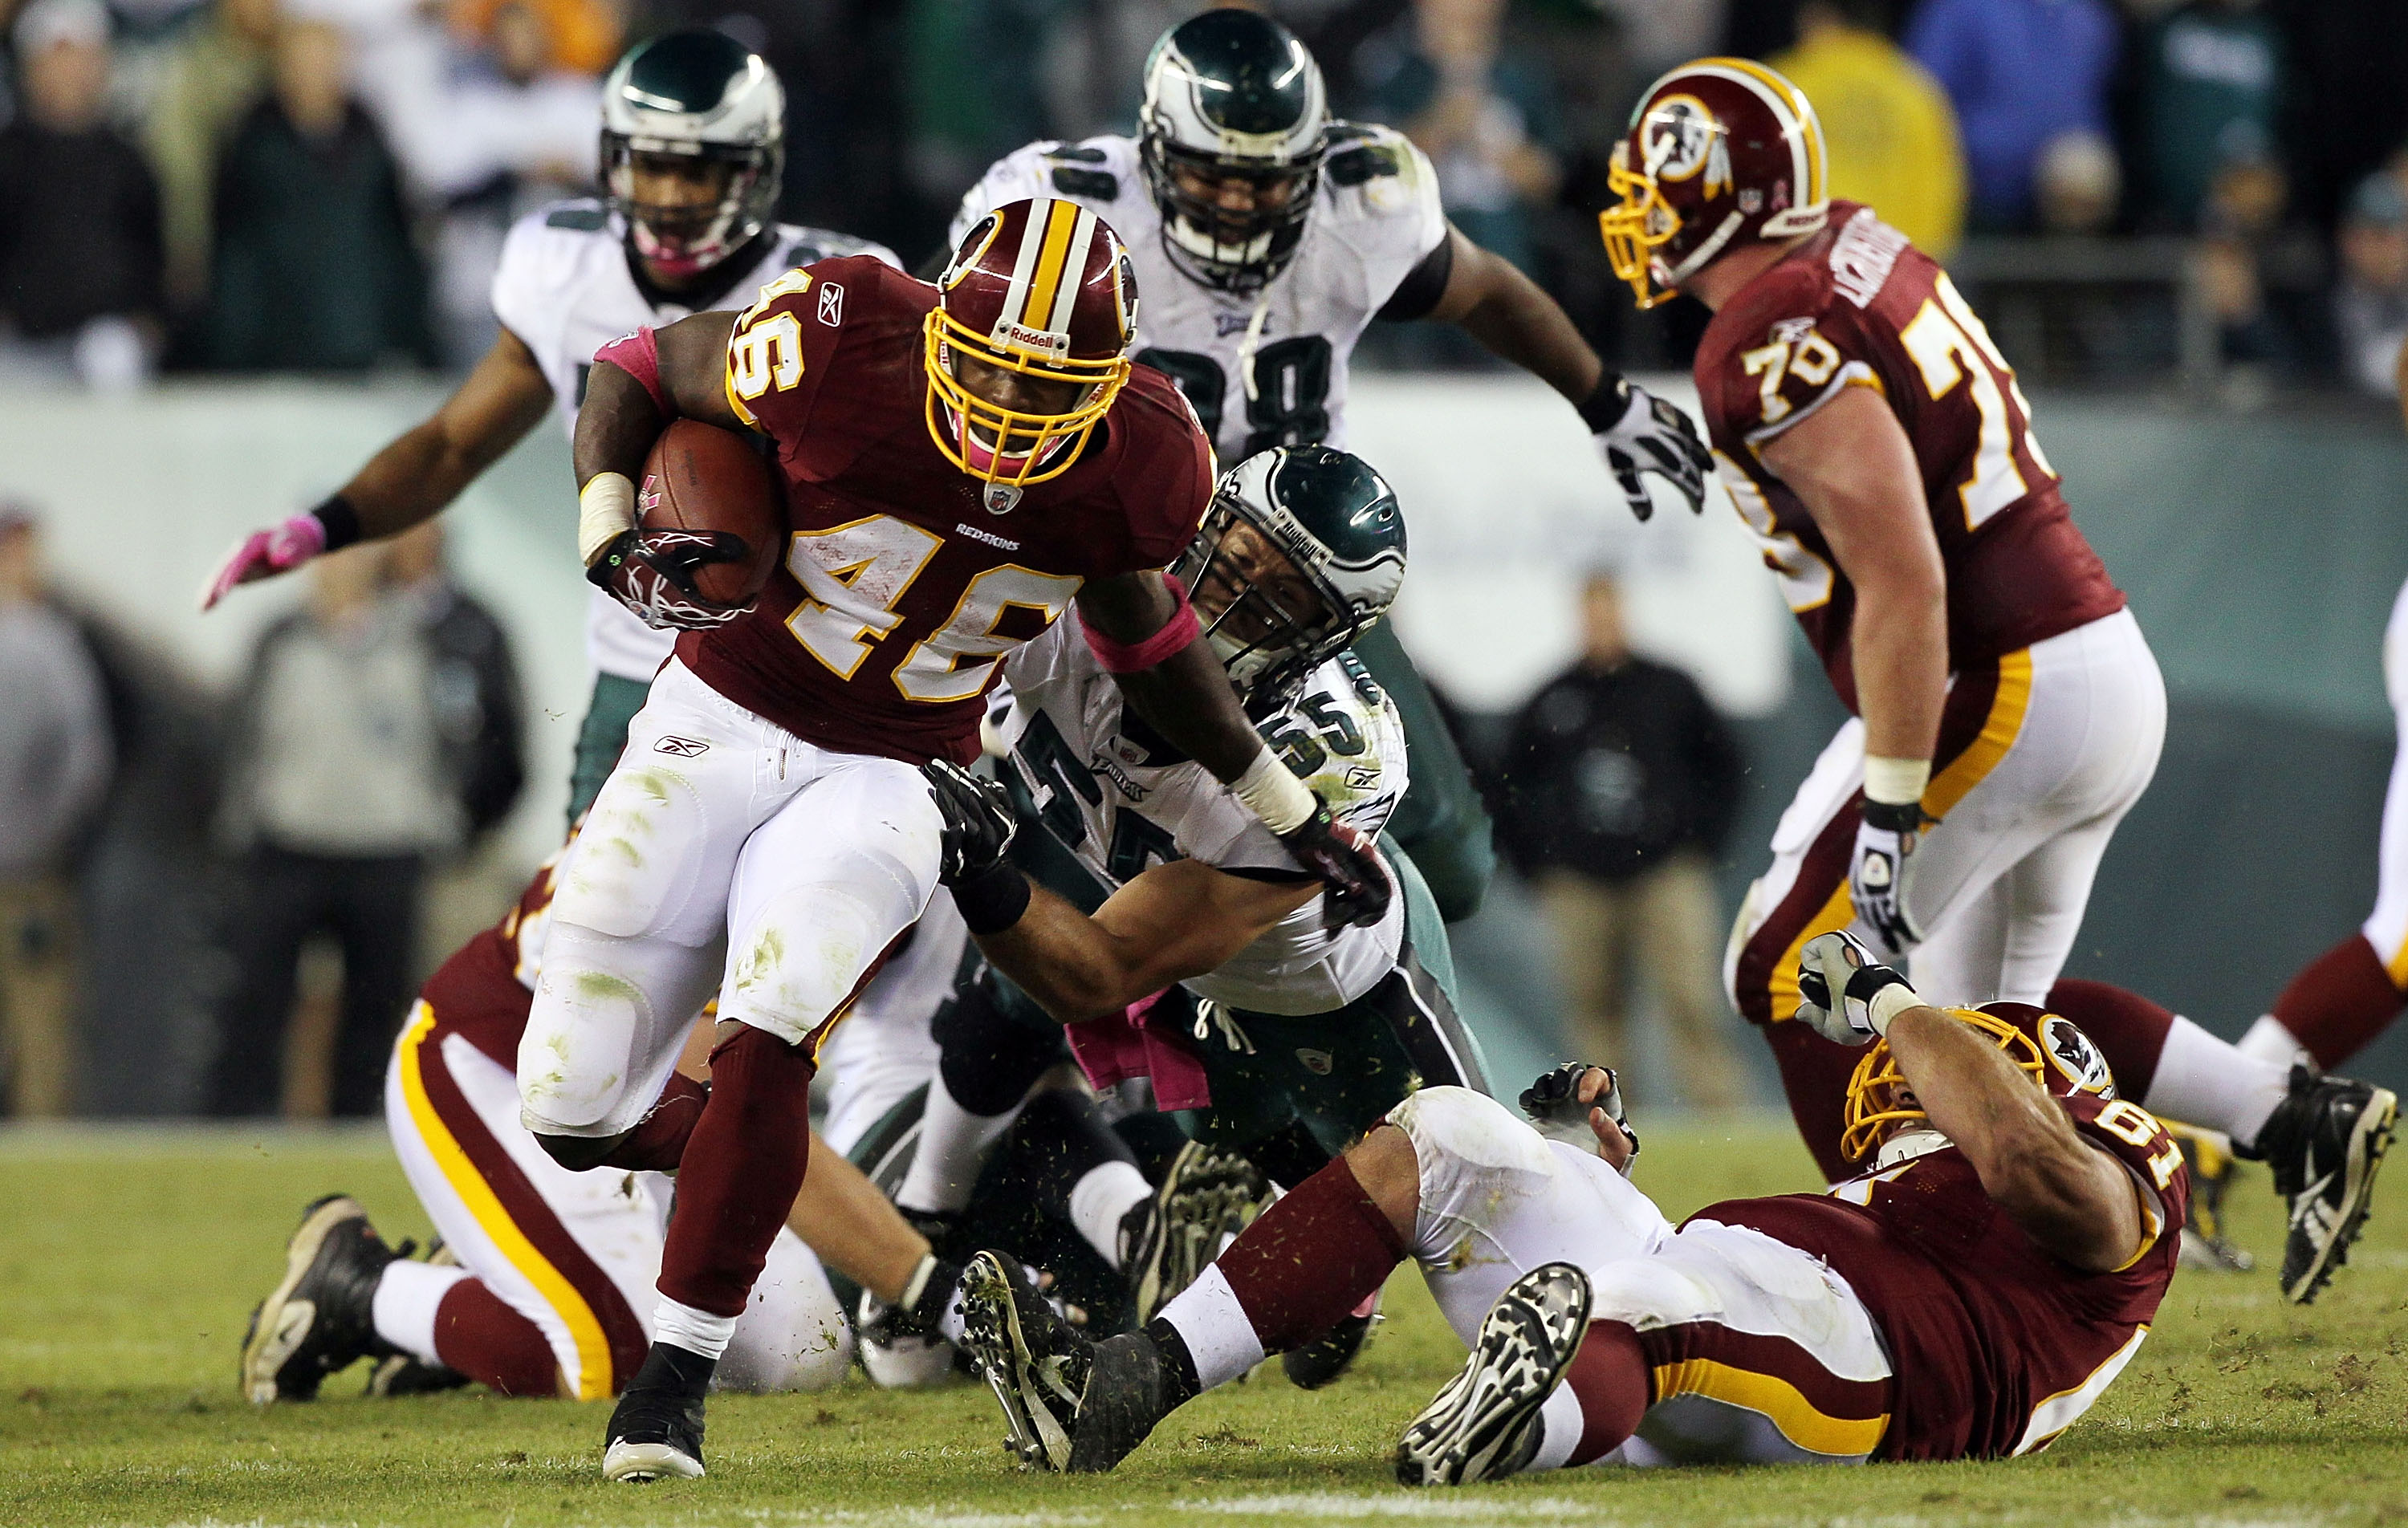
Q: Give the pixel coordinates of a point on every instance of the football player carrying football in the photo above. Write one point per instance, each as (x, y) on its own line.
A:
(1306, 1035)
(1268, 237)
(1993, 1266)
(963, 461)
(692, 145)
(2007, 710)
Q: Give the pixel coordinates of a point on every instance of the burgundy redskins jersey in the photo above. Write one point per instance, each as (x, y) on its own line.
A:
(906, 581)
(1997, 1346)
(1858, 305)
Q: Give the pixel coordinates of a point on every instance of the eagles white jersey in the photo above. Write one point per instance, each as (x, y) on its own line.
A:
(565, 290)
(1097, 790)
(1375, 216)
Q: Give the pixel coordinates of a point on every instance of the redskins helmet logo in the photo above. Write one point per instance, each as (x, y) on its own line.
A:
(2075, 1056)
(1680, 134)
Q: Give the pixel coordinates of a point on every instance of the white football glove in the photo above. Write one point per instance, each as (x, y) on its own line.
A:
(1880, 873)
(1845, 995)
(1651, 435)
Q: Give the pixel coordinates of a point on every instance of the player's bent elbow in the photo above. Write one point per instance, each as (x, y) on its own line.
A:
(2064, 1203)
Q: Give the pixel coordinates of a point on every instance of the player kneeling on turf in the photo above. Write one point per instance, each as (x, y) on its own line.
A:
(1969, 1296)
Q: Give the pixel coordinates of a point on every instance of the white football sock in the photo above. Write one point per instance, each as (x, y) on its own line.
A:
(695, 1331)
(952, 1152)
(1102, 1198)
(406, 1300)
(1561, 1416)
(2201, 1081)
(2268, 1040)
(1219, 1335)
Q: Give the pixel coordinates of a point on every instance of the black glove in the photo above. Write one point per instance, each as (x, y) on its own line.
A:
(1648, 434)
(1555, 1099)
(1358, 889)
(651, 573)
(979, 823)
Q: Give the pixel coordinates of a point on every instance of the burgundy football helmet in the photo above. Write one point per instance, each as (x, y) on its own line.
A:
(2048, 1048)
(1720, 151)
(1045, 290)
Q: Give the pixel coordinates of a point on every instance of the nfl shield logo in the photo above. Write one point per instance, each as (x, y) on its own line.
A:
(1316, 1062)
(1001, 498)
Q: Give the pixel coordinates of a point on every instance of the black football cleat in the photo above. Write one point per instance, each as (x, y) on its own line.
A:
(1326, 1357)
(2325, 1142)
(655, 1431)
(1166, 1241)
(1127, 1394)
(2208, 1155)
(1036, 1363)
(1484, 1424)
(322, 1317)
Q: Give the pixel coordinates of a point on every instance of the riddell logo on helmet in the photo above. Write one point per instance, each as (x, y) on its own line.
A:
(1032, 340)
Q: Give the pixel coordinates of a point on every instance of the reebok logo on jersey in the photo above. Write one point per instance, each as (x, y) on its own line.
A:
(1362, 776)
(988, 536)
(681, 748)
(831, 304)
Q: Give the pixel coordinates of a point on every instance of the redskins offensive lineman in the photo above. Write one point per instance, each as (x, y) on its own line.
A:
(2007, 710)
(1268, 237)
(964, 461)
(1993, 1265)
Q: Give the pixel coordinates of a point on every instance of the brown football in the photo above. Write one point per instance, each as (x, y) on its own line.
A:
(702, 477)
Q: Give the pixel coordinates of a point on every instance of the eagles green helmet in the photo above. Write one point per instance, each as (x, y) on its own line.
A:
(1301, 552)
(693, 105)
(1230, 135)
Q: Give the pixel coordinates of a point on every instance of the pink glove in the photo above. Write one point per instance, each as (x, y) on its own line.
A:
(264, 553)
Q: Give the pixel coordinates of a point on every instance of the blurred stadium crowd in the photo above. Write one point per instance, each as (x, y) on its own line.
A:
(322, 185)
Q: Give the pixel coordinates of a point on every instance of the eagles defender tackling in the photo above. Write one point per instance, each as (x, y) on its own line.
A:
(1268, 237)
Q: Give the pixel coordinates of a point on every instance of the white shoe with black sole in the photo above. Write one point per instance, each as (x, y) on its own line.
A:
(1484, 1424)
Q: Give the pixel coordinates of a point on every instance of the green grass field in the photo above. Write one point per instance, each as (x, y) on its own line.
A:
(128, 1263)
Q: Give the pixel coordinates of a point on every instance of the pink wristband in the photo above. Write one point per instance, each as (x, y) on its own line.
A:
(639, 356)
(1130, 657)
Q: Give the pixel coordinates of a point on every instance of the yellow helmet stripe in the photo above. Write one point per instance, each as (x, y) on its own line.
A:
(1074, 264)
(1045, 283)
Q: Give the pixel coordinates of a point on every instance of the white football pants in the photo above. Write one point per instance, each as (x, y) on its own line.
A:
(723, 855)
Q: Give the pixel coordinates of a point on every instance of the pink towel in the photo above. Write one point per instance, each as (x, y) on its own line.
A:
(1123, 1045)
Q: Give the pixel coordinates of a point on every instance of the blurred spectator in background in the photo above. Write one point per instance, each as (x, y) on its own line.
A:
(479, 713)
(2211, 86)
(582, 37)
(338, 788)
(2240, 223)
(79, 252)
(1483, 112)
(513, 131)
(2371, 304)
(2077, 182)
(1621, 783)
(314, 269)
(2019, 72)
(56, 757)
(1888, 127)
(208, 77)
